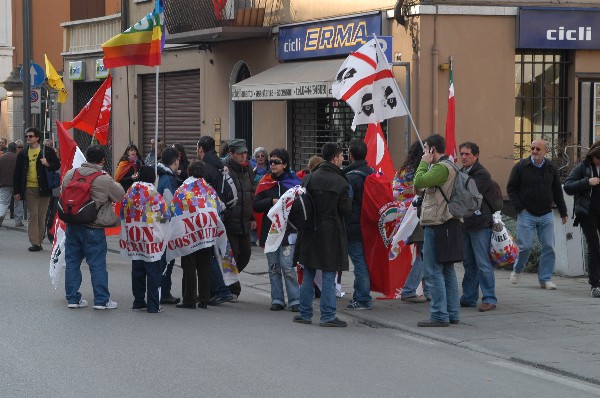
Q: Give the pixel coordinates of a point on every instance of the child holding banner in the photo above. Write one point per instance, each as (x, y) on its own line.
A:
(144, 230)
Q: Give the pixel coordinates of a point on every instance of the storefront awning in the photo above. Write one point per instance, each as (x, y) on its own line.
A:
(294, 80)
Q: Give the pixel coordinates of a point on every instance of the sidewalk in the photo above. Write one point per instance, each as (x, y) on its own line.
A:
(552, 330)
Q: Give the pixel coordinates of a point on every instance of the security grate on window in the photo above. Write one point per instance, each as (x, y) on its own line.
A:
(315, 122)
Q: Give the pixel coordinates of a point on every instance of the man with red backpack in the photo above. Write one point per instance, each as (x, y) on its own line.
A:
(88, 240)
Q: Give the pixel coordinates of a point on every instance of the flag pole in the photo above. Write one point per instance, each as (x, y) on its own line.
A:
(156, 126)
(402, 98)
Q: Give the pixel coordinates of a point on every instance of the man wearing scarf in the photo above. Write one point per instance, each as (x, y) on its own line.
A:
(268, 193)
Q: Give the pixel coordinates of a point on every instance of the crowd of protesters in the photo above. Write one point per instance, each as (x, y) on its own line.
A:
(425, 179)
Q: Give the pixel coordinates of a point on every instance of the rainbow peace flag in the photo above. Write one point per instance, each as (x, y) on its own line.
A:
(141, 44)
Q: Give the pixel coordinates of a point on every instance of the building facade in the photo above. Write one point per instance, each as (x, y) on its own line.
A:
(262, 70)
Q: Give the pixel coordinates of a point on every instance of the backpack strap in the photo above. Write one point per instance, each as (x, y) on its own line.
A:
(449, 165)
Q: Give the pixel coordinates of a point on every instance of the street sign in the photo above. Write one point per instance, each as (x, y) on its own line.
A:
(37, 75)
(35, 97)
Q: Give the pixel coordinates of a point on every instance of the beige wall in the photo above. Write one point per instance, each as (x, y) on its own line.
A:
(306, 10)
(484, 54)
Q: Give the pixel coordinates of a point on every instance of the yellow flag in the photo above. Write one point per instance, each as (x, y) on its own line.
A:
(55, 81)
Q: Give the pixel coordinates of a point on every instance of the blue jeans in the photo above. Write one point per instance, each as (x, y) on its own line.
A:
(281, 265)
(307, 292)
(415, 276)
(441, 278)
(527, 223)
(479, 271)
(362, 283)
(89, 243)
(217, 285)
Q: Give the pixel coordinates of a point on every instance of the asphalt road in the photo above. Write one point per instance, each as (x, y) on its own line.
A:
(234, 350)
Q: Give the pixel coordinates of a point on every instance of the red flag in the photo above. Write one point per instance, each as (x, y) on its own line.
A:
(378, 156)
(379, 222)
(451, 121)
(68, 146)
(95, 116)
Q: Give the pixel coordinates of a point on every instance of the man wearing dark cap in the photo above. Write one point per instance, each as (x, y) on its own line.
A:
(240, 219)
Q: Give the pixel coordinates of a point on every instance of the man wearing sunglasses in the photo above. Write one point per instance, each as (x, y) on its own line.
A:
(31, 183)
(534, 188)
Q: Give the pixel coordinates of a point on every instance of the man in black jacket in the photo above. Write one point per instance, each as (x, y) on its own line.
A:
(533, 188)
(30, 182)
(479, 271)
(322, 243)
(240, 219)
(356, 174)
(213, 167)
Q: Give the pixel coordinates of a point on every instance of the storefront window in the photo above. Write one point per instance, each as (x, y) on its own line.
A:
(317, 121)
(541, 101)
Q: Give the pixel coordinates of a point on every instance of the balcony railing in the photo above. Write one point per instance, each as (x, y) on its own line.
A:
(87, 35)
(194, 15)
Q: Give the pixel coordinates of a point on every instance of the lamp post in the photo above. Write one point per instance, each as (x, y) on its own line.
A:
(26, 65)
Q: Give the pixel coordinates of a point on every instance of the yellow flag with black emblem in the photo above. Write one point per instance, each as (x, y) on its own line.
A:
(55, 81)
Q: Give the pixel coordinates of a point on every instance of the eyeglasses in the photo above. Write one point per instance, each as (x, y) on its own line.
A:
(276, 161)
(30, 135)
(535, 148)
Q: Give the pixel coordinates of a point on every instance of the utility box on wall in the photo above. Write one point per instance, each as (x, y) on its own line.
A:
(568, 244)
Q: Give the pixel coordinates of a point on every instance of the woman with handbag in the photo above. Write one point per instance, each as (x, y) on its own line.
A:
(584, 183)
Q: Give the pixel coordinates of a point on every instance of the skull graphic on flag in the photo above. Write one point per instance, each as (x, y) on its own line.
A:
(365, 81)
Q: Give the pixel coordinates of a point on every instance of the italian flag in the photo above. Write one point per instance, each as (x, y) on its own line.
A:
(451, 120)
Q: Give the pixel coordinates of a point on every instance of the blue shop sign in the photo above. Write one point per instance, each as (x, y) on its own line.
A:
(559, 28)
(334, 37)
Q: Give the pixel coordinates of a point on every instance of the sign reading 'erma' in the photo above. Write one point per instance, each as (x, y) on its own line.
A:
(327, 38)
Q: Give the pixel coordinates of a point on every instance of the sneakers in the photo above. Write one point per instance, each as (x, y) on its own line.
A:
(355, 305)
(234, 299)
(514, 277)
(170, 300)
(110, 305)
(413, 299)
(334, 323)
(277, 307)
(216, 300)
(548, 285)
(81, 304)
(595, 292)
(299, 319)
(485, 307)
(430, 323)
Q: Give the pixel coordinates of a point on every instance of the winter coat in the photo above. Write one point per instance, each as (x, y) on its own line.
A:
(324, 246)
(212, 168)
(483, 180)
(105, 192)
(168, 182)
(8, 162)
(527, 191)
(239, 216)
(22, 167)
(578, 184)
(263, 202)
(357, 182)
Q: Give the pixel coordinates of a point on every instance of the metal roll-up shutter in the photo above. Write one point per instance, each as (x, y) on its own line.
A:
(178, 109)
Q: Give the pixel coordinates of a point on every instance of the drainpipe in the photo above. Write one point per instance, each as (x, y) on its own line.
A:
(434, 77)
(124, 15)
